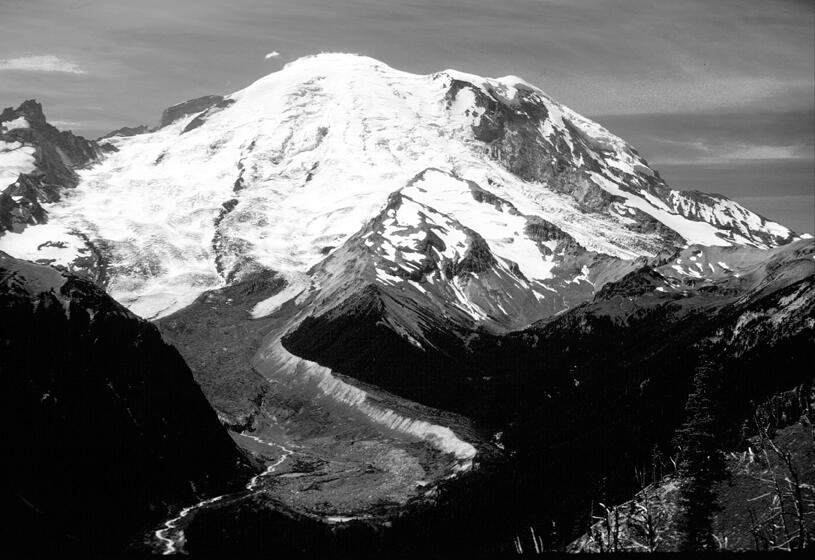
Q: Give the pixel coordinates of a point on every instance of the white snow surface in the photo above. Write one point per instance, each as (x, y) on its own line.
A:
(309, 154)
(502, 229)
(39, 243)
(15, 158)
(699, 233)
(14, 124)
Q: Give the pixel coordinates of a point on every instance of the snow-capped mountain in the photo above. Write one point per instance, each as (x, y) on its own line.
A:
(37, 162)
(341, 246)
(283, 173)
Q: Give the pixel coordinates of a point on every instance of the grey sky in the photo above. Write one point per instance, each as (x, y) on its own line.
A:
(718, 95)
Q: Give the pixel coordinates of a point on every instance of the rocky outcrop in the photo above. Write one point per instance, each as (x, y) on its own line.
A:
(543, 142)
(172, 114)
(126, 131)
(513, 130)
(202, 118)
(107, 431)
(477, 258)
(57, 154)
(20, 203)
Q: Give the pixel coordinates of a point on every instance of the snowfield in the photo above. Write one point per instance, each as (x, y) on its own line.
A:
(287, 169)
(15, 158)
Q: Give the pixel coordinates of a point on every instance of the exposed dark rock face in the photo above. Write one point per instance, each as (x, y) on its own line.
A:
(57, 154)
(512, 131)
(107, 433)
(478, 257)
(201, 119)
(126, 131)
(219, 245)
(20, 203)
(172, 114)
(542, 231)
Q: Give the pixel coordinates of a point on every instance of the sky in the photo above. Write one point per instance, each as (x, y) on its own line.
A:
(717, 95)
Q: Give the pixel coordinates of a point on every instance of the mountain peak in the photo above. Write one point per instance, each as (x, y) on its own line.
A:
(31, 109)
(270, 176)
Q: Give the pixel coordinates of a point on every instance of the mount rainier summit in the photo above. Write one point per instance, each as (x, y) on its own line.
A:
(411, 300)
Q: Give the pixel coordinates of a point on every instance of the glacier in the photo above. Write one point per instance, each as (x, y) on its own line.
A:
(285, 170)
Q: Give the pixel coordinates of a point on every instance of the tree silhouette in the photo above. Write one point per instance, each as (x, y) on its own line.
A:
(702, 462)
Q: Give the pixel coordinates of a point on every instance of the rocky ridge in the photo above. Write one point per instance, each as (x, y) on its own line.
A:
(113, 432)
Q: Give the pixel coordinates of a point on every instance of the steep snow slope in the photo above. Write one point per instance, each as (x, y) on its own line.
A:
(37, 162)
(281, 173)
(15, 158)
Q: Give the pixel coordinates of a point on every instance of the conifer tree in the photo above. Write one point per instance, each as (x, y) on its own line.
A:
(702, 462)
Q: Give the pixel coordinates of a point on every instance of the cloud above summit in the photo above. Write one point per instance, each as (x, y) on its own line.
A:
(41, 63)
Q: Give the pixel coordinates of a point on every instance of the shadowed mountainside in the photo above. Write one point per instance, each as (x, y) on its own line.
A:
(107, 433)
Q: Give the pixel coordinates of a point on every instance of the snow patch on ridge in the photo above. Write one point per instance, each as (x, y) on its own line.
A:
(15, 158)
(503, 230)
(700, 233)
(15, 124)
(50, 242)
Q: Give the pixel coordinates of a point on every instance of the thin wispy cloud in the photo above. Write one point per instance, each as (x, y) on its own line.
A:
(41, 63)
(707, 138)
(65, 124)
(747, 152)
